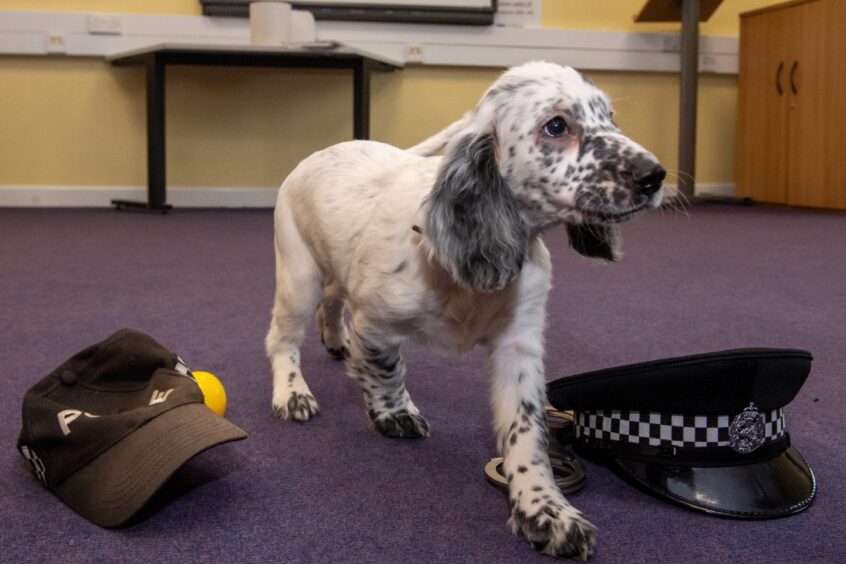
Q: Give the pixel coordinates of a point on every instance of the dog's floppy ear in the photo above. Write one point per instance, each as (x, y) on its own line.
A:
(595, 241)
(473, 224)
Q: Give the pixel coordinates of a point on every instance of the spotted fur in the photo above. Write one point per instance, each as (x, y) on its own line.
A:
(448, 251)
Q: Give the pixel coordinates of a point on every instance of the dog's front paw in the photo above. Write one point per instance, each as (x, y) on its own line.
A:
(299, 407)
(402, 425)
(556, 529)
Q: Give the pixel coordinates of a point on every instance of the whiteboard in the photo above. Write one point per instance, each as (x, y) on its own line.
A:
(473, 12)
(404, 3)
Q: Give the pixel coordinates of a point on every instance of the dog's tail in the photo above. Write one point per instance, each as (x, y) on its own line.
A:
(436, 143)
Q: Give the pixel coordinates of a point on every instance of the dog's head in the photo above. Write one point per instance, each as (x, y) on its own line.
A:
(541, 148)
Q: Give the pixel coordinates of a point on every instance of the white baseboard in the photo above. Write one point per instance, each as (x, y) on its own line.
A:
(716, 189)
(101, 196)
(719, 189)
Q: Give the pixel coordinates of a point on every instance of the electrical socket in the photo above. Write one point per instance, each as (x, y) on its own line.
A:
(109, 24)
(56, 42)
(414, 53)
(672, 44)
(708, 63)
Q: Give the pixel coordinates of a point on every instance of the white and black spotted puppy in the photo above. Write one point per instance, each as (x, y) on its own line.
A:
(448, 250)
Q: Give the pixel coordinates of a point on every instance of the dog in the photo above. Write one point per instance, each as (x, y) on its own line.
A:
(448, 250)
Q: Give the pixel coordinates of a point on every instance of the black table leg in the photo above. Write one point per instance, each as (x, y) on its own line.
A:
(156, 188)
(361, 100)
(156, 195)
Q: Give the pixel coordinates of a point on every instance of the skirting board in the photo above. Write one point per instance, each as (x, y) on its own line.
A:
(101, 196)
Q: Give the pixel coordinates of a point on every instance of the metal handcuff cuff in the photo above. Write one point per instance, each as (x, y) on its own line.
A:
(569, 472)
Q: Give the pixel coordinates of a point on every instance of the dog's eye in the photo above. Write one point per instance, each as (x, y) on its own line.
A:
(556, 127)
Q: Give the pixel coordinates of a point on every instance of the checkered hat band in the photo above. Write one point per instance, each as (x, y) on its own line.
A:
(662, 429)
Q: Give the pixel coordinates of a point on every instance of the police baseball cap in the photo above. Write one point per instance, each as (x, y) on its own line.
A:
(705, 431)
(106, 429)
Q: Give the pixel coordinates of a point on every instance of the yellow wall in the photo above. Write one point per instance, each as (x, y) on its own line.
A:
(79, 121)
(180, 7)
(618, 15)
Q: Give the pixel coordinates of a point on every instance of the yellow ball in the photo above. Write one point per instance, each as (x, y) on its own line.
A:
(214, 396)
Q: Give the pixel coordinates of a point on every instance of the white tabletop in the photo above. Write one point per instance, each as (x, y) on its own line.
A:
(319, 47)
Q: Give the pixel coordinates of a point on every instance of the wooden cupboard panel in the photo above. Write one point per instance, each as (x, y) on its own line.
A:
(808, 120)
(762, 111)
(834, 100)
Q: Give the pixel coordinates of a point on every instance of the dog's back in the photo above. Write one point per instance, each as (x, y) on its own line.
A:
(358, 197)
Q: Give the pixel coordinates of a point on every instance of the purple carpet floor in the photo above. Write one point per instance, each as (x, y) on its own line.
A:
(333, 490)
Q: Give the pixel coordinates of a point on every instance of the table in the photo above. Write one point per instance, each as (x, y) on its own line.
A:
(156, 58)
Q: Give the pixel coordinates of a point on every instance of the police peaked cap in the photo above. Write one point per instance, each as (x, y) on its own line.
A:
(705, 431)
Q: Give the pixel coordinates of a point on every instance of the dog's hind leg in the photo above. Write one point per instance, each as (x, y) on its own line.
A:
(375, 363)
(298, 291)
(330, 322)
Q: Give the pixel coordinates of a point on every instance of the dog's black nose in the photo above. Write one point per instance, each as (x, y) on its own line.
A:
(649, 181)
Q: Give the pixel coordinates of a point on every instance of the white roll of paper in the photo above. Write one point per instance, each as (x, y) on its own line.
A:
(303, 28)
(270, 23)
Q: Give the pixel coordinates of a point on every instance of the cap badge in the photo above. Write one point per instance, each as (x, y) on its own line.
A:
(747, 431)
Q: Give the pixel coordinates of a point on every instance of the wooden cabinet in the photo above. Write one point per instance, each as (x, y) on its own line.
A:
(792, 105)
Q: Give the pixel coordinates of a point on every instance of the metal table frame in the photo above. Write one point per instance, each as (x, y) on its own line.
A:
(689, 12)
(156, 59)
(689, 88)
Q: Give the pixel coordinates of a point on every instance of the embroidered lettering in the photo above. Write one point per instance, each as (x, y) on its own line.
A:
(68, 416)
(159, 396)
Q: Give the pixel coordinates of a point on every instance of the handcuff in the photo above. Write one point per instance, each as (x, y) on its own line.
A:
(568, 471)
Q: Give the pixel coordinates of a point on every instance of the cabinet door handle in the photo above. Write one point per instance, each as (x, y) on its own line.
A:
(793, 77)
(778, 78)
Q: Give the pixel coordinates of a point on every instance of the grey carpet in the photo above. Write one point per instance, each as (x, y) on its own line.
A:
(333, 490)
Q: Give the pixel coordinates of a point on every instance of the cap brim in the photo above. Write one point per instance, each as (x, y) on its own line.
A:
(778, 487)
(117, 484)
